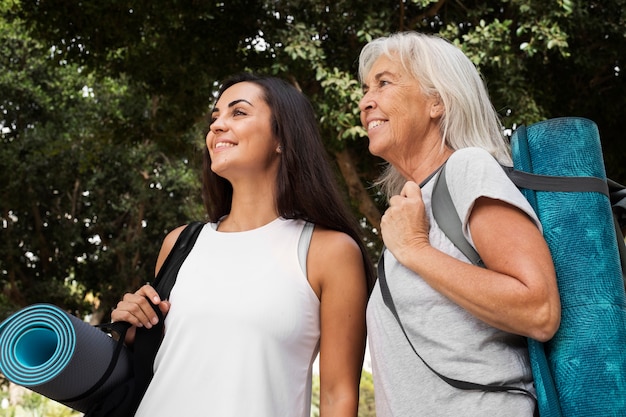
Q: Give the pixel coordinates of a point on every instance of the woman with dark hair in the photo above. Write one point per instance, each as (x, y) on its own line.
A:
(278, 274)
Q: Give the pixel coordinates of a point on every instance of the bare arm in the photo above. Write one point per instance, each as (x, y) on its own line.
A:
(517, 292)
(336, 272)
(134, 308)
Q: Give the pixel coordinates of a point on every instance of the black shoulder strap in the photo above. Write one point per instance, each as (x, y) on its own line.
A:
(166, 278)
(147, 342)
(456, 383)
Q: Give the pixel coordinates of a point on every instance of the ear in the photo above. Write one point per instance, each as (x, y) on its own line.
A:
(436, 107)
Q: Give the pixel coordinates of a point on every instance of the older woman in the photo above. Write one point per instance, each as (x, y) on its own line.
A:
(425, 105)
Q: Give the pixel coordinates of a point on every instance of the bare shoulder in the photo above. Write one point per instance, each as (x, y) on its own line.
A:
(330, 240)
(167, 245)
(334, 259)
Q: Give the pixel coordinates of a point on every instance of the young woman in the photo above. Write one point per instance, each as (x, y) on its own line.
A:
(252, 306)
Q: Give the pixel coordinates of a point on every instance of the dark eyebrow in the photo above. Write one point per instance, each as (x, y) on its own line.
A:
(233, 103)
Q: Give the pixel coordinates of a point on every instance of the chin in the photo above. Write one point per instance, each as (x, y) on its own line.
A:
(375, 151)
(217, 169)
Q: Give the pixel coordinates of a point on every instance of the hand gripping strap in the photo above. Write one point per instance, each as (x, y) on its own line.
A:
(147, 341)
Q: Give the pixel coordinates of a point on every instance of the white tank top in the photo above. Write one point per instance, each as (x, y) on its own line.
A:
(243, 330)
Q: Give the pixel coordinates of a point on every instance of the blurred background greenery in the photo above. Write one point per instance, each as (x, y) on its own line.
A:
(104, 107)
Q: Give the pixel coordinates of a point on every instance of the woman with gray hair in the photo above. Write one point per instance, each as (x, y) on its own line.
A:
(425, 105)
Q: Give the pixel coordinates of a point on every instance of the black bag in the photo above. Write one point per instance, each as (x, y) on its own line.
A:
(124, 400)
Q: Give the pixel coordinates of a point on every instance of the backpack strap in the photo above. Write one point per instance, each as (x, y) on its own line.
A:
(449, 222)
(166, 277)
(448, 219)
(556, 183)
(147, 341)
(456, 383)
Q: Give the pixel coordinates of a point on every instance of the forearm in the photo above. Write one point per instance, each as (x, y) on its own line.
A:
(339, 404)
(502, 301)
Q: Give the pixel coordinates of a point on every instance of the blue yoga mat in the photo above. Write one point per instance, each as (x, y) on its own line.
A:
(59, 356)
(581, 372)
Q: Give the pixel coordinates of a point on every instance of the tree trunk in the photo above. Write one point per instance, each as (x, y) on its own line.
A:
(356, 190)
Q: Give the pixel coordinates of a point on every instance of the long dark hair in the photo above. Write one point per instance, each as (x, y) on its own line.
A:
(306, 187)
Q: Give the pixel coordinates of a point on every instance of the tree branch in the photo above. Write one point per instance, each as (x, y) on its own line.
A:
(356, 190)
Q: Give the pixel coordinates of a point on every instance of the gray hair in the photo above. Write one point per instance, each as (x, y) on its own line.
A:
(442, 69)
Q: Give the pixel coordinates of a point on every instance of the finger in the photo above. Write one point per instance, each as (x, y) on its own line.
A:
(148, 291)
(136, 310)
(410, 189)
(395, 200)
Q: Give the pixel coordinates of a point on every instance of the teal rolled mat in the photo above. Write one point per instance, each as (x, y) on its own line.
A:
(53, 353)
(581, 372)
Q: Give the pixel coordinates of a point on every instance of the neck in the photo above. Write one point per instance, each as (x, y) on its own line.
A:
(251, 209)
(421, 168)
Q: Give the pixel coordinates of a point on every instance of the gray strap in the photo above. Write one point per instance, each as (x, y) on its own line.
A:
(539, 182)
(303, 244)
(456, 383)
(448, 219)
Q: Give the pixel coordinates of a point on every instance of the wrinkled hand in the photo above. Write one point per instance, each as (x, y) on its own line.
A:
(404, 226)
(135, 309)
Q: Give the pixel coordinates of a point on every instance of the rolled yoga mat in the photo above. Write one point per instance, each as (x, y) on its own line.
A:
(59, 356)
(581, 372)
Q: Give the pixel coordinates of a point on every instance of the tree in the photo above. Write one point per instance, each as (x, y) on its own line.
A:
(153, 69)
(103, 109)
(84, 209)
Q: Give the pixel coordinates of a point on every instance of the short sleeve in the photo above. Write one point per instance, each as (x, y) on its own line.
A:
(472, 173)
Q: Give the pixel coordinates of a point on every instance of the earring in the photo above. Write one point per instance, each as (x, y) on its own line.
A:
(279, 149)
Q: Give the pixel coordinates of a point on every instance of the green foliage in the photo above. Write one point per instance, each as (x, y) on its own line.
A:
(36, 405)
(86, 204)
(367, 406)
(104, 109)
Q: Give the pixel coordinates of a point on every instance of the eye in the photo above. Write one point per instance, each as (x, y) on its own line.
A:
(383, 82)
(239, 112)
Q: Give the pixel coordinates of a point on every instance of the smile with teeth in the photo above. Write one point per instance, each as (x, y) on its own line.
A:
(375, 123)
(224, 145)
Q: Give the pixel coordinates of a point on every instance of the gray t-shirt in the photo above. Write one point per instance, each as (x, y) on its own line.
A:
(451, 340)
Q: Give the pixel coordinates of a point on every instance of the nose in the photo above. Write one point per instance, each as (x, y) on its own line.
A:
(366, 102)
(217, 125)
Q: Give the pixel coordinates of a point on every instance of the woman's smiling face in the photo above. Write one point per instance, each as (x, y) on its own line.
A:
(397, 115)
(240, 140)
